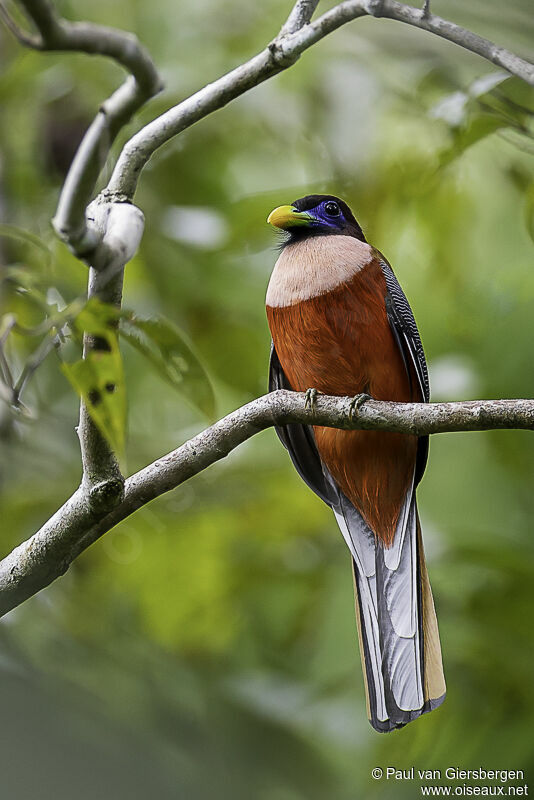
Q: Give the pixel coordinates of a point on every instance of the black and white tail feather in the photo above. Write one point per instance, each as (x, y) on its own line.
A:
(397, 625)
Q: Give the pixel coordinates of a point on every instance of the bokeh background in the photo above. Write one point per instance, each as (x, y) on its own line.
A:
(207, 646)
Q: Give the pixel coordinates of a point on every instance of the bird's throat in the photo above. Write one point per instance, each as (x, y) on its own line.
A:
(314, 266)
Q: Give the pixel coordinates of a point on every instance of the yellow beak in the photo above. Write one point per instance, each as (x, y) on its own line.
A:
(288, 217)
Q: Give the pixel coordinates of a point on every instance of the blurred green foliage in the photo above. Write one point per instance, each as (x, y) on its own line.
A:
(207, 647)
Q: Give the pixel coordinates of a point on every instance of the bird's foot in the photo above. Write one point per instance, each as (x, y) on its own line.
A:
(356, 403)
(311, 399)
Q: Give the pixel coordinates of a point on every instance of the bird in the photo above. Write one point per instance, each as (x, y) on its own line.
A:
(341, 325)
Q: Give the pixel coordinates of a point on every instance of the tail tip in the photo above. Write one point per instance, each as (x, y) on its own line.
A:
(402, 718)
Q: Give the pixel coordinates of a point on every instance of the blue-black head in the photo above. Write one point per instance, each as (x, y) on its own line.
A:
(315, 215)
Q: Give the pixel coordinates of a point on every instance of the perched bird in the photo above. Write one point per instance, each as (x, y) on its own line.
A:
(341, 325)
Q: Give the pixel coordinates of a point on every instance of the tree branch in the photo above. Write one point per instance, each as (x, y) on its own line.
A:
(301, 15)
(27, 39)
(454, 33)
(281, 54)
(119, 229)
(48, 553)
(105, 235)
(56, 33)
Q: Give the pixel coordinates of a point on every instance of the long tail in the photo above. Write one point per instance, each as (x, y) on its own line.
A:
(397, 625)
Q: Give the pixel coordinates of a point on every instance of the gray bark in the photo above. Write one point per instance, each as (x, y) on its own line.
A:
(47, 554)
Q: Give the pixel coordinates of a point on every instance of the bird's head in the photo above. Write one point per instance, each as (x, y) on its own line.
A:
(315, 215)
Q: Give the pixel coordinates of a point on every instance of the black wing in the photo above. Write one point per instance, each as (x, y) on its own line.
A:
(299, 440)
(404, 329)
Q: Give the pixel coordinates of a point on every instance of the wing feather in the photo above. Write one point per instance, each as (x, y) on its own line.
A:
(404, 327)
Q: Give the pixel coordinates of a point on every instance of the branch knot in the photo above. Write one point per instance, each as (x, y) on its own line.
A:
(375, 8)
(280, 56)
(106, 495)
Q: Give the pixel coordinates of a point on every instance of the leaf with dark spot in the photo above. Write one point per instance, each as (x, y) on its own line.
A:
(99, 381)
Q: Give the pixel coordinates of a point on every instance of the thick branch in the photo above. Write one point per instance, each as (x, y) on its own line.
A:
(48, 554)
(102, 482)
(295, 37)
(119, 229)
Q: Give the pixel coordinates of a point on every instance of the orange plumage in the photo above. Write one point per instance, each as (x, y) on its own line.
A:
(341, 343)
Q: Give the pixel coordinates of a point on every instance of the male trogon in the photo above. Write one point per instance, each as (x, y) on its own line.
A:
(341, 324)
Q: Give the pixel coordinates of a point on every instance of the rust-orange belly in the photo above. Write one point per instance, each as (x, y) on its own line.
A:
(341, 343)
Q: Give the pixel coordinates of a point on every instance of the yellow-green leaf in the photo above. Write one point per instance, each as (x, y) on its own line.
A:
(99, 381)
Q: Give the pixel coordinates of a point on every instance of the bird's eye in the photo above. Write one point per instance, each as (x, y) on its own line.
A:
(332, 209)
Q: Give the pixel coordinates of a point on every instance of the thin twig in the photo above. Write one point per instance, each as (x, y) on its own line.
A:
(279, 55)
(27, 39)
(7, 376)
(59, 34)
(87, 37)
(300, 15)
(33, 364)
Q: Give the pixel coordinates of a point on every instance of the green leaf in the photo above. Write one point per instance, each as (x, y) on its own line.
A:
(95, 318)
(168, 350)
(515, 101)
(29, 284)
(490, 104)
(518, 92)
(14, 232)
(478, 128)
(99, 381)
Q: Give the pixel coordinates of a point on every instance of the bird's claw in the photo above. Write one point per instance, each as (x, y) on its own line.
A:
(356, 403)
(311, 399)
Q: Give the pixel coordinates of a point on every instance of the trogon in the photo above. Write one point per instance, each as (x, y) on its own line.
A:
(341, 325)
